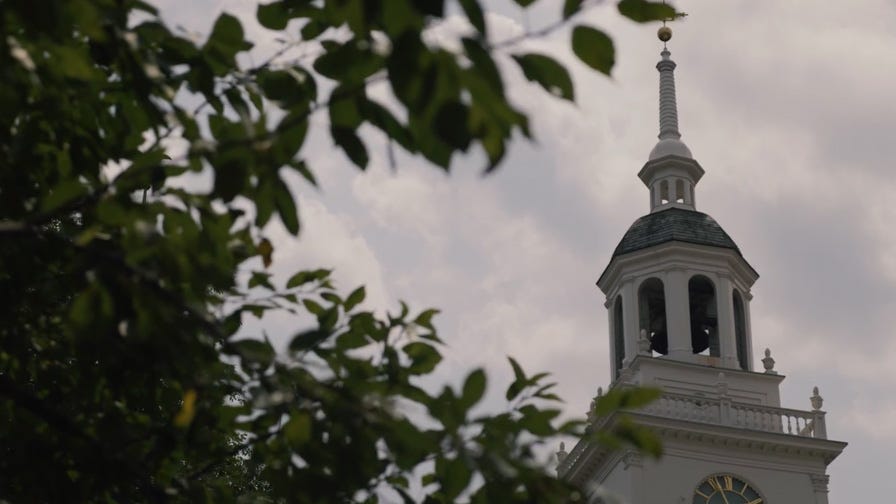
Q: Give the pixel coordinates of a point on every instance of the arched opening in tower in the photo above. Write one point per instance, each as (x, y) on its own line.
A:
(618, 336)
(652, 312)
(740, 331)
(704, 316)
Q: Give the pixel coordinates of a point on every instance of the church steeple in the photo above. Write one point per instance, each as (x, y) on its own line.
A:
(671, 171)
(678, 300)
(677, 286)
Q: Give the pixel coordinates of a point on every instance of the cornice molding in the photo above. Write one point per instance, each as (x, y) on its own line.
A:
(594, 460)
(677, 255)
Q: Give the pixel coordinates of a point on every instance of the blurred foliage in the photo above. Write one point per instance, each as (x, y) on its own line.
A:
(124, 376)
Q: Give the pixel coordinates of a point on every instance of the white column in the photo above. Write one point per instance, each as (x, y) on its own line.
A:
(678, 319)
(748, 329)
(611, 320)
(688, 192)
(630, 316)
(727, 340)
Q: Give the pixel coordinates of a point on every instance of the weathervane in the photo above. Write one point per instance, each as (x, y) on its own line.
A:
(665, 33)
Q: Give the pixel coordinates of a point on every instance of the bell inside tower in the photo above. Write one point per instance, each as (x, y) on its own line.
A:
(652, 308)
(704, 316)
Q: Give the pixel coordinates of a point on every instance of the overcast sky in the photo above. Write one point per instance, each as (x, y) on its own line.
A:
(788, 105)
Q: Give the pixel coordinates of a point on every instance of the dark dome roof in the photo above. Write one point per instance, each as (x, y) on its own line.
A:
(674, 224)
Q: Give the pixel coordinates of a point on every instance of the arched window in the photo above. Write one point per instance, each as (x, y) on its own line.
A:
(652, 314)
(664, 192)
(704, 316)
(679, 191)
(740, 331)
(618, 335)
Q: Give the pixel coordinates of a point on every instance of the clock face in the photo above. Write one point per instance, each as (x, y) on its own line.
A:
(726, 489)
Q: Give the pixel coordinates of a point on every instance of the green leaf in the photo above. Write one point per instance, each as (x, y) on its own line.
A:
(258, 354)
(260, 279)
(264, 201)
(544, 70)
(525, 3)
(286, 206)
(625, 398)
(451, 125)
(293, 88)
(474, 388)
(332, 297)
(351, 62)
(351, 340)
(351, 144)
(401, 16)
(353, 299)
(380, 117)
(307, 340)
(641, 438)
(302, 168)
(290, 135)
(313, 306)
(643, 11)
(298, 429)
(313, 29)
(307, 276)
(571, 7)
(225, 41)
(74, 63)
(520, 381)
(345, 111)
(594, 48)
(474, 13)
(425, 318)
(538, 421)
(484, 65)
(63, 193)
(256, 309)
(455, 476)
(273, 16)
(517, 369)
(424, 357)
(641, 396)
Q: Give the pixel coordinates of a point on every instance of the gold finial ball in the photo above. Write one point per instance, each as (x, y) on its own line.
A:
(664, 33)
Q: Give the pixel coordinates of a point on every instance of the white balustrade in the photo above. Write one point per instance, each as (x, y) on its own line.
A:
(720, 410)
(748, 416)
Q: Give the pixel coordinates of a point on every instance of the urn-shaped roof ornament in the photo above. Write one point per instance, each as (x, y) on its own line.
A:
(768, 362)
(817, 400)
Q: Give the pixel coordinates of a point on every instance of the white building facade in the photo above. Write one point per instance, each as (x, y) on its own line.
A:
(678, 295)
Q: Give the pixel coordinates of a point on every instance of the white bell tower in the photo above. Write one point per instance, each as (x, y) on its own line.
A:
(678, 294)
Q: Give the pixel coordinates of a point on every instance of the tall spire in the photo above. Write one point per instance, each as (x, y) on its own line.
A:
(671, 172)
(669, 136)
(668, 108)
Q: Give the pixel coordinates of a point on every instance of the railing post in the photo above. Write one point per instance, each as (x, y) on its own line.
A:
(724, 400)
(819, 428)
(818, 423)
(725, 411)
